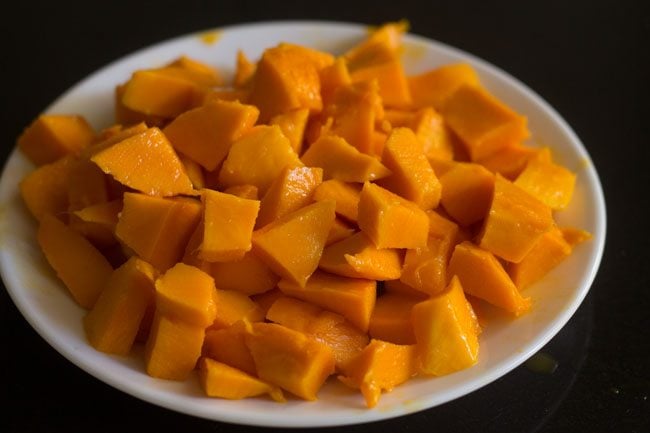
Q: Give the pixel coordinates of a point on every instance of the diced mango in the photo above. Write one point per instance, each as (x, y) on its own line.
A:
(228, 223)
(346, 196)
(51, 137)
(145, 162)
(339, 231)
(187, 293)
(380, 367)
(445, 330)
(483, 123)
(339, 160)
(292, 245)
(173, 347)
(228, 345)
(234, 306)
(293, 126)
(357, 257)
(205, 134)
(434, 87)
(549, 251)
(467, 191)
(352, 298)
(514, 223)
(220, 380)
(290, 359)
(248, 275)
(113, 322)
(548, 182)
(483, 276)
(390, 220)
(290, 191)
(391, 319)
(345, 340)
(81, 267)
(258, 158)
(157, 229)
(44, 190)
(412, 176)
(287, 79)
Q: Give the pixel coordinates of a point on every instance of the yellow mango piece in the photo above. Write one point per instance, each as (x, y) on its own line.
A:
(126, 116)
(412, 176)
(292, 245)
(339, 160)
(549, 251)
(205, 134)
(467, 191)
(354, 110)
(425, 269)
(548, 182)
(51, 137)
(290, 359)
(220, 380)
(332, 78)
(352, 298)
(173, 347)
(244, 70)
(154, 92)
(575, 236)
(287, 79)
(81, 267)
(45, 190)
(445, 329)
(345, 340)
(199, 72)
(357, 257)
(389, 73)
(258, 158)
(113, 138)
(380, 44)
(431, 131)
(483, 276)
(145, 162)
(113, 323)
(234, 306)
(510, 161)
(434, 87)
(187, 293)
(194, 172)
(104, 214)
(381, 366)
(514, 223)
(346, 196)
(243, 191)
(248, 275)
(228, 345)
(157, 229)
(228, 223)
(290, 191)
(483, 123)
(87, 185)
(391, 318)
(293, 124)
(391, 221)
(339, 231)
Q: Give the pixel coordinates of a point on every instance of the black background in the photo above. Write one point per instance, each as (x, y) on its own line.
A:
(590, 60)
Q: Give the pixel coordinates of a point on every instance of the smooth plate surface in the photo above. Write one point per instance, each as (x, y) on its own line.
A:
(505, 344)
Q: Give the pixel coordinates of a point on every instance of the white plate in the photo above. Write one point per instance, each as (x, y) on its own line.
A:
(504, 345)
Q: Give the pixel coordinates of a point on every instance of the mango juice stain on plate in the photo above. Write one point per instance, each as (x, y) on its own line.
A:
(210, 37)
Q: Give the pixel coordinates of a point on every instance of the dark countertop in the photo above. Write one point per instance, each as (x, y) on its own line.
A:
(589, 60)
